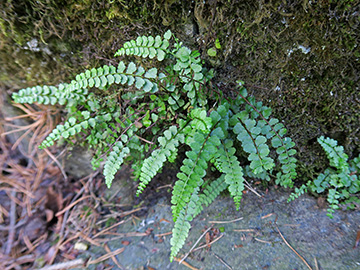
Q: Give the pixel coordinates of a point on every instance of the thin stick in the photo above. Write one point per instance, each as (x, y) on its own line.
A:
(57, 163)
(11, 225)
(316, 263)
(185, 263)
(210, 243)
(187, 254)
(106, 256)
(245, 230)
(262, 241)
(109, 228)
(64, 265)
(108, 250)
(163, 234)
(71, 205)
(223, 262)
(144, 140)
(247, 185)
(224, 222)
(292, 248)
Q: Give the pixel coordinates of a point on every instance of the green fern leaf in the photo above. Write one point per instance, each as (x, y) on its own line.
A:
(147, 46)
(169, 144)
(69, 128)
(335, 153)
(114, 161)
(249, 134)
(179, 234)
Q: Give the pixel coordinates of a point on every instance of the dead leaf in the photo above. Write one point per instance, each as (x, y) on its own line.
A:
(357, 239)
(208, 239)
(54, 200)
(125, 243)
(49, 215)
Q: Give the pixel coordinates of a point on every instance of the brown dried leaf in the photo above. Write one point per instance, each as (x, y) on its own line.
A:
(357, 239)
(208, 239)
(49, 215)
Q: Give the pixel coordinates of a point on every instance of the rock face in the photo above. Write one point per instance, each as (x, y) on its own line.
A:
(248, 238)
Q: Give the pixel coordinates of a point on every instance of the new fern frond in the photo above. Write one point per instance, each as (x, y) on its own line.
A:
(127, 113)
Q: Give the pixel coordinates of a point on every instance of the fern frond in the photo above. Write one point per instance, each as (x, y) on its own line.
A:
(192, 209)
(44, 95)
(209, 194)
(70, 128)
(113, 162)
(147, 46)
(248, 132)
(298, 192)
(225, 159)
(188, 63)
(191, 176)
(168, 146)
(230, 166)
(179, 234)
(203, 148)
(335, 153)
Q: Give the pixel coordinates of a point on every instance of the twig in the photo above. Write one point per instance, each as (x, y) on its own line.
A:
(262, 241)
(163, 234)
(187, 254)
(316, 263)
(57, 163)
(71, 205)
(185, 263)
(292, 247)
(223, 262)
(123, 235)
(224, 222)
(245, 230)
(106, 256)
(247, 185)
(65, 265)
(107, 249)
(109, 228)
(11, 225)
(144, 140)
(210, 243)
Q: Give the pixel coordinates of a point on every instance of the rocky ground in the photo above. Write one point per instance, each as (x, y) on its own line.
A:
(266, 233)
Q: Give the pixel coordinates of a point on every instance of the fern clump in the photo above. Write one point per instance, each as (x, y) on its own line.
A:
(129, 113)
(340, 181)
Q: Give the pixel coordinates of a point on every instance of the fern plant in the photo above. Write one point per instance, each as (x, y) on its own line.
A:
(143, 115)
(340, 181)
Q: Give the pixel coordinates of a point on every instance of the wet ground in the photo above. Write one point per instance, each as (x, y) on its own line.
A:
(265, 233)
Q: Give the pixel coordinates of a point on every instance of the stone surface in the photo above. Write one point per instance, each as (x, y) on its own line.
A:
(250, 243)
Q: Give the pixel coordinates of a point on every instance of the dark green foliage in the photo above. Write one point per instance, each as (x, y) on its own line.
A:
(129, 113)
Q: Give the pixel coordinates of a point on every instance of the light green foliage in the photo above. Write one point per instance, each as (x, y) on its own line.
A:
(168, 148)
(127, 113)
(340, 180)
(147, 47)
(44, 95)
(114, 161)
